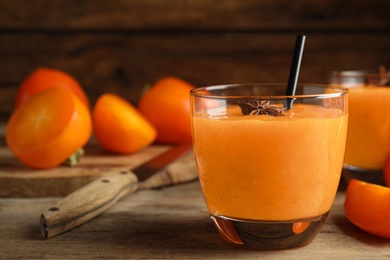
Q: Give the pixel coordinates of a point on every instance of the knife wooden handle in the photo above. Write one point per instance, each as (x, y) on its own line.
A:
(87, 202)
(96, 197)
(182, 170)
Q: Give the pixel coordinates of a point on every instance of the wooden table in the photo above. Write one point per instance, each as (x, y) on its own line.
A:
(168, 223)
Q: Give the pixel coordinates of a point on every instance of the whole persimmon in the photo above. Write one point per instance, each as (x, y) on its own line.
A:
(167, 106)
(367, 206)
(119, 127)
(43, 78)
(45, 130)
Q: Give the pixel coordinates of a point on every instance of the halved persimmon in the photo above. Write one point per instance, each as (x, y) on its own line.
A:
(43, 78)
(119, 127)
(368, 207)
(167, 106)
(48, 128)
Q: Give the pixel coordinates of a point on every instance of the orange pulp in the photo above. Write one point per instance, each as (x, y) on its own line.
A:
(270, 168)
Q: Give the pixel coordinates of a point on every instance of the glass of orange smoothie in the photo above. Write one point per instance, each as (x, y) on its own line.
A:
(269, 175)
(368, 141)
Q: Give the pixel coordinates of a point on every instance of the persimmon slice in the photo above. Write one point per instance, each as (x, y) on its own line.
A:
(368, 207)
(49, 127)
(119, 127)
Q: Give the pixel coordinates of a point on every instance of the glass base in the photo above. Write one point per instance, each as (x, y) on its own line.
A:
(367, 175)
(269, 235)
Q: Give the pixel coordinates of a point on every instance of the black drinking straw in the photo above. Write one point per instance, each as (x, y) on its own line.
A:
(294, 70)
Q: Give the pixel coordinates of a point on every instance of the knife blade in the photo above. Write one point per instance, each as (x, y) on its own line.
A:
(96, 197)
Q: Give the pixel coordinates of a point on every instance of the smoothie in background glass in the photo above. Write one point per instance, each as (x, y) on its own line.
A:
(269, 180)
(368, 141)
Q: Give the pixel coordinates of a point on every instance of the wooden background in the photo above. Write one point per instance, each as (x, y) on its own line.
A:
(119, 46)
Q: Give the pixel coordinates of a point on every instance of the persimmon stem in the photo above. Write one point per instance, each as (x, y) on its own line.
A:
(74, 159)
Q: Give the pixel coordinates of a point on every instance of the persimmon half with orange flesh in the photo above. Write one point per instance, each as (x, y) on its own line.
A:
(119, 127)
(167, 106)
(48, 128)
(44, 78)
(368, 207)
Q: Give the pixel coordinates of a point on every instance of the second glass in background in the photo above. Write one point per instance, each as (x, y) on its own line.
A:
(368, 139)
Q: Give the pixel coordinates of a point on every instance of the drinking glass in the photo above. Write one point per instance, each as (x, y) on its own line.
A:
(368, 141)
(269, 174)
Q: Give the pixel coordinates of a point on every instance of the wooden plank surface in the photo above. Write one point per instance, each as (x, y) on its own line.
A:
(208, 15)
(169, 223)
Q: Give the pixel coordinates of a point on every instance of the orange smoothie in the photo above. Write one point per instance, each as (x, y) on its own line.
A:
(368, 141)
(264, 167)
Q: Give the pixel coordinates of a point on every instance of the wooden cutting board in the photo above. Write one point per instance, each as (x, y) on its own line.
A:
(17, 180)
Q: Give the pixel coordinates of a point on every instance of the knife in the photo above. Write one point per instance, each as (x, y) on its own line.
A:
(96, 197)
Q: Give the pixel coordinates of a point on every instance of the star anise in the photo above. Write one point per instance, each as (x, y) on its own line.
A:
(259, 107)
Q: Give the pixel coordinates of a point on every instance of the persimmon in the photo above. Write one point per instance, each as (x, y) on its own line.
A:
(367, 206)
(167, 106)
(119, 127)
(48, 128)
(386, 171)
(43, 78)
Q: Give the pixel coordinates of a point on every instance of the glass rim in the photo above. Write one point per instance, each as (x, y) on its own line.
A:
(341, 91)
